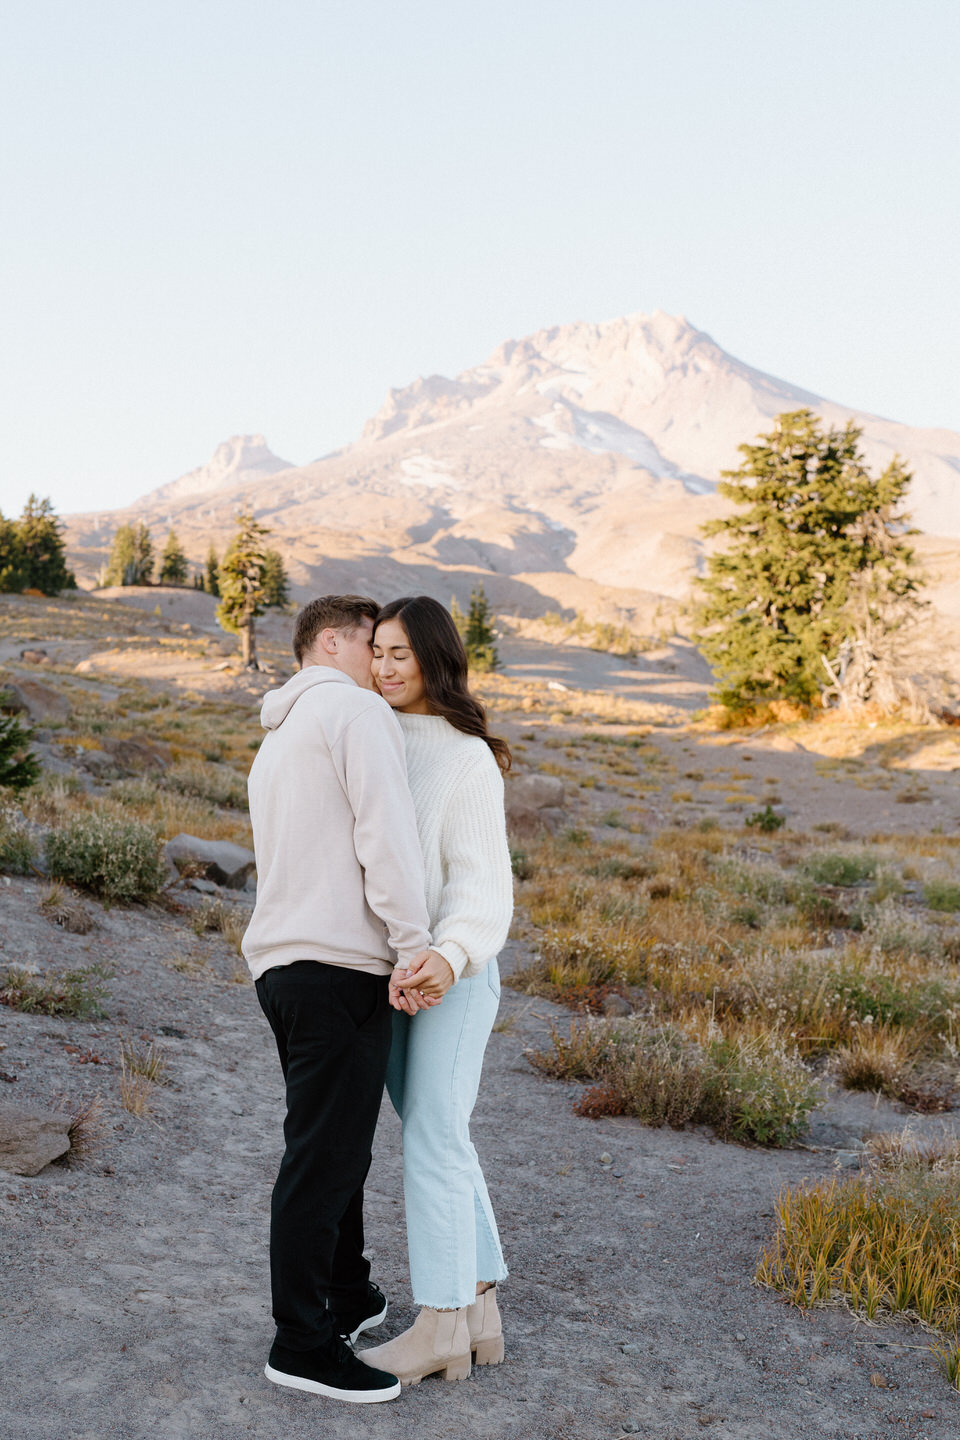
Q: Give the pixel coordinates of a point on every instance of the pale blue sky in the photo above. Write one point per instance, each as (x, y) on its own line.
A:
(235, 217)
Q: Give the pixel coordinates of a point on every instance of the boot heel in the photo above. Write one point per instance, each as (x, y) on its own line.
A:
(490, 1352)
(458, 1369)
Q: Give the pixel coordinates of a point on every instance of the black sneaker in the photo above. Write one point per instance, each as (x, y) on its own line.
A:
(333, 1370)
(366, 1314)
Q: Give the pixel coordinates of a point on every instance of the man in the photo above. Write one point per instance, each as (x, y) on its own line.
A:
(339, 897)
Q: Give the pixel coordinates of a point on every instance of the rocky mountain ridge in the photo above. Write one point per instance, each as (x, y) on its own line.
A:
(571, 469)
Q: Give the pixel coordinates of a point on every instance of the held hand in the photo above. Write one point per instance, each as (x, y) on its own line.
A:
(407, 1003)
(431, 977)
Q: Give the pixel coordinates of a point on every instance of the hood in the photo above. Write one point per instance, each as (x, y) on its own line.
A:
(277, 704)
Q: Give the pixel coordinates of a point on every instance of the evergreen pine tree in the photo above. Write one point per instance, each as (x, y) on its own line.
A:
(173, 562)
(212, 585)
(122, 557)
(143, 555)
(131, 559)
(479, 637)
(242, 596)
(19, 767)
(44, 551)
(275, 581)
(814, 543)
(13, 570)
(458, 617)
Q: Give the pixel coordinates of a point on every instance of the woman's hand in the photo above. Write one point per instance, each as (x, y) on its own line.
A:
(407, 1004)
(429, 980)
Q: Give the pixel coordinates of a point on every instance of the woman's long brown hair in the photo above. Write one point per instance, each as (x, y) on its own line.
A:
(443, 662)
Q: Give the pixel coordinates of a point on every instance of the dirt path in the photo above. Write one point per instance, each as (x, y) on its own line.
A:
(135, 1290)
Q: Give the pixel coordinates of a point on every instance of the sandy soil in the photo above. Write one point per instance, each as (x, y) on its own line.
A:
(134, 1295)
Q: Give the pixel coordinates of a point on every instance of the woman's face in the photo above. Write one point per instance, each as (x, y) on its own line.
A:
(396, 670)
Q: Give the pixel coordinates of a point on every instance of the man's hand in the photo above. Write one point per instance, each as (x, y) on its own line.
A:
(410, 1003)
(429, 979)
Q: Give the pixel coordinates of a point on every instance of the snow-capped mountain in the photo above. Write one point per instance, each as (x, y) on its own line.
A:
(572, 468)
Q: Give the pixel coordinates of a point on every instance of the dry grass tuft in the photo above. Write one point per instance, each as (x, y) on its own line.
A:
(87, 1130)
(883, 1243)
(234, 927)
(149, 1062)
(67, 911)
(875, 1059)
(140, 1071)
(230, 921)
(188, 962)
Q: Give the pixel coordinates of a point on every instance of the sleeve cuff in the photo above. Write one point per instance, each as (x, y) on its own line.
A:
(455, 956)
(405, 958)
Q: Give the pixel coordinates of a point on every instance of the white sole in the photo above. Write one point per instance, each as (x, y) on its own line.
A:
(370, 1324)
(316, 1387)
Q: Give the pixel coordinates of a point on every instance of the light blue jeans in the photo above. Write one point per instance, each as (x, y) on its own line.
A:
(432, 1078)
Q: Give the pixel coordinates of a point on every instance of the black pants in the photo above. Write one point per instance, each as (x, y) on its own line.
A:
(332, 1026)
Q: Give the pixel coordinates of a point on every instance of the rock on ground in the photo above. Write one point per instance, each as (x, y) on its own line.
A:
(218, 860)
(30, 1139)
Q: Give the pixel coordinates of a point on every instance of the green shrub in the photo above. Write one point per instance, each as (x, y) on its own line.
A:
(756, 882)
(115, 859)
(833, 867)
(888, 1000)
(521, 864)
(747, 1088)
(75, 994)
(755, 1090)
(766, 820)
(203, 781)
(17, 848)
(822, 912)
(898, 934)
(942, 895)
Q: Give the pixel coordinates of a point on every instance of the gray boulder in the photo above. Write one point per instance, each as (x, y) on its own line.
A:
(218, 860)
(30, 1139)
(29, 697)
(97, 762)
(534, 803)
(139, 755)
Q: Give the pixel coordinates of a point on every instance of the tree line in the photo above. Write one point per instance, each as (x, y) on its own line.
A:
(807, 598)
(133, 561)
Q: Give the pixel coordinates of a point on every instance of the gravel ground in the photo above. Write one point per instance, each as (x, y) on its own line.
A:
(135, 1298)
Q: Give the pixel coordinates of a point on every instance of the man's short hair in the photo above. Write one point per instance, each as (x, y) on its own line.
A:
(330, 612)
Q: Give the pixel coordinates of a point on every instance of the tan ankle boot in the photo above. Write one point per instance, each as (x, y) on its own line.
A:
(486, 1331)
(437, 1340)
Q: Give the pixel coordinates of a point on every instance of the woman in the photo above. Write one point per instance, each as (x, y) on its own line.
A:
(446, 1008)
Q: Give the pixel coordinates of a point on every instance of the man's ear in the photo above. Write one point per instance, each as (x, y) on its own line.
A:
(329, 641)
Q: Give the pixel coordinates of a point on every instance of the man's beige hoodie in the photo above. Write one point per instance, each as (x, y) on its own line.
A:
(339, 866)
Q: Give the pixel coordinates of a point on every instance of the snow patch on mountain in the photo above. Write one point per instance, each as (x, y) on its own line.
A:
(568, 428)
(420, 469)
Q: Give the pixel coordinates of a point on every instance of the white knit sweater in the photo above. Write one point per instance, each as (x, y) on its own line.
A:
(457, 793)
